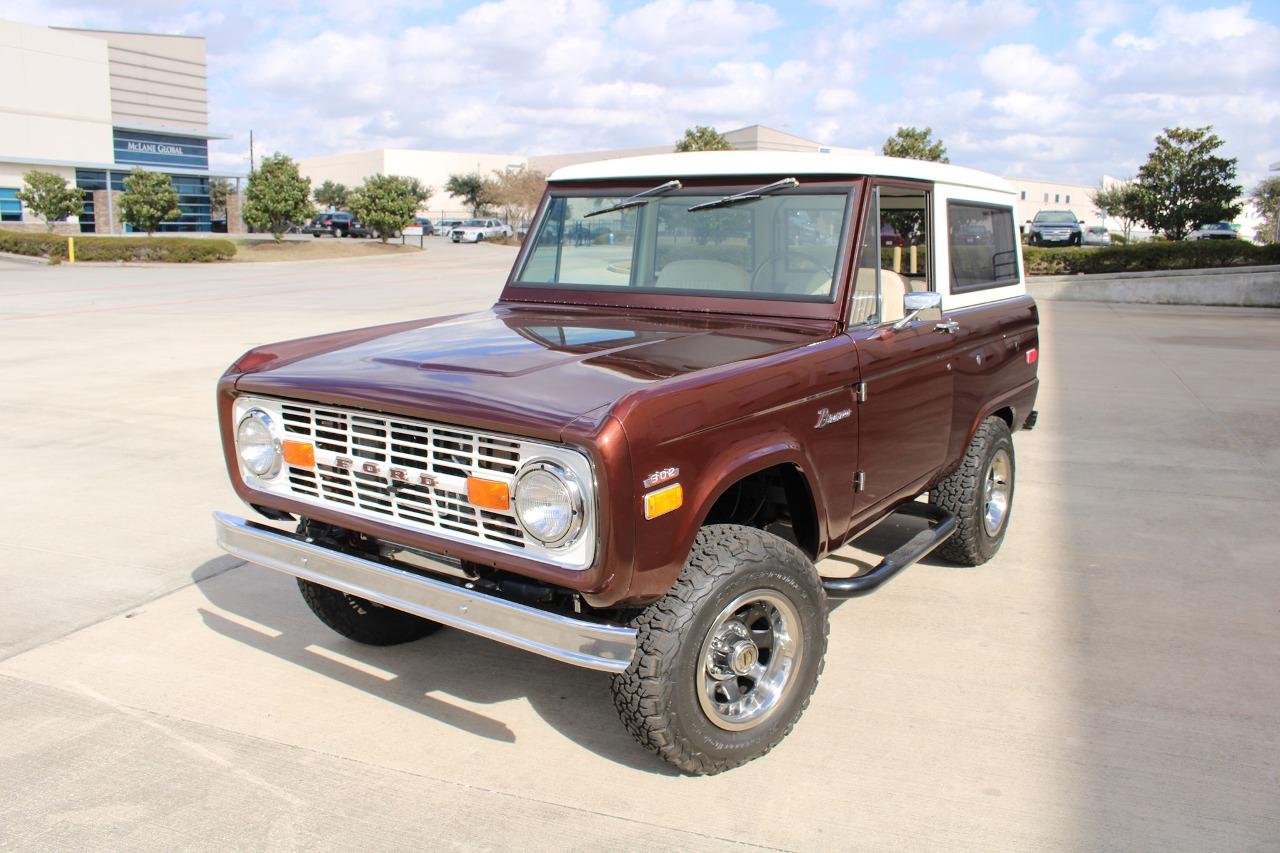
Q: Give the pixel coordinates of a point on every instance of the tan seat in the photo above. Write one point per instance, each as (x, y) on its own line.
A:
(699, 274)
(893, 288)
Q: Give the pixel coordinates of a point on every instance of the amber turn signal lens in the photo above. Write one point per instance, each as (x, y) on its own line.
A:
(663, 501)
(489, 494)
(300, 453)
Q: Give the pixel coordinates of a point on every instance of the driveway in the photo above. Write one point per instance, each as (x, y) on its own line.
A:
(1110, 681)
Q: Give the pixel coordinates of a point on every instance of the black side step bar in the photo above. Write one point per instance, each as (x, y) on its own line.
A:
(941, 525)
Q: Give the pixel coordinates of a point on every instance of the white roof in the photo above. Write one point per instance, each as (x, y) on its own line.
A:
(699, 164)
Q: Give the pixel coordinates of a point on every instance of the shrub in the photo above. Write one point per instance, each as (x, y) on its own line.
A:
(1148, 257)
(148, 199)
(178, 250)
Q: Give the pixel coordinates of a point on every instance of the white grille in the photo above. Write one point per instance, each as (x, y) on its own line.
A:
(409, 472)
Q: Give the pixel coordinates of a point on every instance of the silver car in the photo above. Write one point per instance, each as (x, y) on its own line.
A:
(1096, 235)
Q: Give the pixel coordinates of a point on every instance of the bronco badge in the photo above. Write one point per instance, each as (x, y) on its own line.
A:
(826, 416)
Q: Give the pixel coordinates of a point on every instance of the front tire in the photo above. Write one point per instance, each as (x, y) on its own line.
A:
(728, 658)
(980, 495)
(363, 621)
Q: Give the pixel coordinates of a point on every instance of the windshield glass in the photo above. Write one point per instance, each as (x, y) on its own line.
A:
(1056, 217)
(783, 246)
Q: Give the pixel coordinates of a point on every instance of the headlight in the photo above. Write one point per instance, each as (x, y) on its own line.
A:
(257, 445)
(548, 502)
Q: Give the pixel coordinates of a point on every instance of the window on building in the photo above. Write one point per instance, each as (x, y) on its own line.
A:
(1068, 199)
(1056, 198)
(10, 207)
(1046, 197)
(1024, 195)
(983, 246)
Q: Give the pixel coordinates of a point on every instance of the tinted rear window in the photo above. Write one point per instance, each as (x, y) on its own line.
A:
(983, 246)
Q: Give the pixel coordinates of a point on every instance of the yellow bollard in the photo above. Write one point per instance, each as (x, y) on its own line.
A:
(914, 270)
(71, 250)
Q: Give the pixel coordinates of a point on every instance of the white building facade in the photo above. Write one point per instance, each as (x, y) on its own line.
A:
(91, 105)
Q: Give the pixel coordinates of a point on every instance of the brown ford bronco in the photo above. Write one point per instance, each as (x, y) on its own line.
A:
(634, 460)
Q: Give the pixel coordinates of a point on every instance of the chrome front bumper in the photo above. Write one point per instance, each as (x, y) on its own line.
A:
(575, 641)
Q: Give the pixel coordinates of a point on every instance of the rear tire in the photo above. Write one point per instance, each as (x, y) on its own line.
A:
(363, 621)
(980, 495)
(726, 661)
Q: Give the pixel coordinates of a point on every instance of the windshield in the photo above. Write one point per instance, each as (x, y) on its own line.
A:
(473, 223)
(1056, 217)
(783, 246)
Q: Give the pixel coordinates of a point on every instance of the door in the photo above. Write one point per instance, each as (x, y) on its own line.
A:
(907, 378)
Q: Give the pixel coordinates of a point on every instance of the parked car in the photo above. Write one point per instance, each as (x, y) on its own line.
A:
(445, 226)
(422, 226)
(475, 230)
(1050, 227)
(1096, 235)
(1214, 231)
(890, 237)
(635, 467)
(338, 223)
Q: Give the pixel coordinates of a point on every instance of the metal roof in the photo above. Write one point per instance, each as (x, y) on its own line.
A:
(698, 164)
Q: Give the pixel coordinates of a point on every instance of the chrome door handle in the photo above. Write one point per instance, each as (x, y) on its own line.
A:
(950, 327)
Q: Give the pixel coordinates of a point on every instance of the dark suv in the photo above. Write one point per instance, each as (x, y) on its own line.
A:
(337, 223)
(1055, 227)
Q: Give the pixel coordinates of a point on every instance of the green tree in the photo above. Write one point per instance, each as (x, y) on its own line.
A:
(700, 138)
(219, 190)
(1266, 196)
(1122, 201)
(473, 189)
(915, 144)
(1184, 183)
(386, 203)
(277, 195)
(48, 196)
(148, 199)
(332, 196)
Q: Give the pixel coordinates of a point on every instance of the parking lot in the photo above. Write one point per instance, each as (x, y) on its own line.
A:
(1110, 681)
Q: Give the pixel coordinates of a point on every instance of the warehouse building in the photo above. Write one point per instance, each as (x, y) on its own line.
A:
(91, 105)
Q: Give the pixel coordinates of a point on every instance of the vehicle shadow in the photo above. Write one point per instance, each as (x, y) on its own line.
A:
(421, 676)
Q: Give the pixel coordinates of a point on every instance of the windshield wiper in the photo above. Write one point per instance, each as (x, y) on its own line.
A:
(636, 200)
(749, 195)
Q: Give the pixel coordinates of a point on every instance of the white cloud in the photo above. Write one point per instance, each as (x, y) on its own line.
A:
(964, 22)
(1022, 66)
(1206, 25)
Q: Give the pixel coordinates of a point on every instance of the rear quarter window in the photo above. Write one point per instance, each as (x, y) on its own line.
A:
(983, 246)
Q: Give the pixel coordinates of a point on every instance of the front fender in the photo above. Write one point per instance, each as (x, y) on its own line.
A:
(709, 465)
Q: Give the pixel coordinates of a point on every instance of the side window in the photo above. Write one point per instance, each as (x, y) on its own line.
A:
(904, 242)
(983, 244)
(866, 282)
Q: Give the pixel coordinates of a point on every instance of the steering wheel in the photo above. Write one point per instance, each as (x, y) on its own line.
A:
(772, 259)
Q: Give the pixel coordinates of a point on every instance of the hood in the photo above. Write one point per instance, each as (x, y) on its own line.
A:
(523, 369)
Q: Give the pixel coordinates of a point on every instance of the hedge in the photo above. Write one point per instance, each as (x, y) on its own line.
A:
(1149, 257)
(179, 250)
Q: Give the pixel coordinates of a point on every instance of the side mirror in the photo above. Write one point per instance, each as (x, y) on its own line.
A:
(915, 304)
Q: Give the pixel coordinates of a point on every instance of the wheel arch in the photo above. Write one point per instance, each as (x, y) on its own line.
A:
(763, 473)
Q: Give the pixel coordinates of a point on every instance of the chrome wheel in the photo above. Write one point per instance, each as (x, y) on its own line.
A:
(997, 490)
(748, 660)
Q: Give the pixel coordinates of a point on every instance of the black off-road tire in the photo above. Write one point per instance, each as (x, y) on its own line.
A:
(363, 621)
(962, 494)
(657, 696)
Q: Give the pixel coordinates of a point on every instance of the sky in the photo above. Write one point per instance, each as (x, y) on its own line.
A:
(1062, 90)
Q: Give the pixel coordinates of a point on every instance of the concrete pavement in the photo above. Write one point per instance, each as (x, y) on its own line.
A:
(1110, 681)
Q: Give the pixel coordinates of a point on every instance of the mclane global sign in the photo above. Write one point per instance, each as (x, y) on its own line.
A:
(154, 149)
